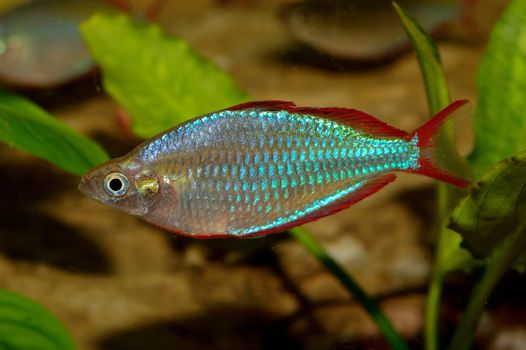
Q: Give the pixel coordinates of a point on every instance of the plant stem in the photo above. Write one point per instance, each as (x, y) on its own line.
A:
(385, 326)
(434, 296)
(437, 93)
(497, 265)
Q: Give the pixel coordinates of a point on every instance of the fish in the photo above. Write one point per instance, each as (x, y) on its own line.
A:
(364, 31)
(40, 42)
(267, 166)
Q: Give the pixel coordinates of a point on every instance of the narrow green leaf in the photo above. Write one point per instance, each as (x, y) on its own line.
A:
(24, 324)
(313, 246)
(493, 210)
(500, 120)
(435, 82)
(449, 255)
(158, 78)
(26, 126)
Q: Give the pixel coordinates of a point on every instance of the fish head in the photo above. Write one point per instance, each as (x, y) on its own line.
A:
(122, 184)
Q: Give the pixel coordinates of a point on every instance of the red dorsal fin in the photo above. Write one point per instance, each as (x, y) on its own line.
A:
(270, 105)
(369, 187)
(356, 119)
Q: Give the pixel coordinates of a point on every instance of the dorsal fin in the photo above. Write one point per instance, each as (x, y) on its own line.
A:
(270, 105)
(356, 119)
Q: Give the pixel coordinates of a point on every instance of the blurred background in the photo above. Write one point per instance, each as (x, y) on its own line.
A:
(119, 283)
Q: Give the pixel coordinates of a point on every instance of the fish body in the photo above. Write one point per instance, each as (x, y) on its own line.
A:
(40, 41)
(364, 30)
(40, 44)
(263, 167)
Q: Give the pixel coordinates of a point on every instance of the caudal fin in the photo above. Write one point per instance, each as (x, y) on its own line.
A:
(438, 157)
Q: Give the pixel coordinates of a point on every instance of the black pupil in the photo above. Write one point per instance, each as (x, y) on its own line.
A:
(115, 185)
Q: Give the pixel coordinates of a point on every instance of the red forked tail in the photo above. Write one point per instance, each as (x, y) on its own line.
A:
(438, 158)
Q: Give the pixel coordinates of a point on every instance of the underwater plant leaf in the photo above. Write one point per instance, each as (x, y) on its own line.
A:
(310, 243)
(494, 210)
(500, 118)
(26, 126)
(158, 78)
(24, 324)
(435, 82)
(492, 221)
(450, 255)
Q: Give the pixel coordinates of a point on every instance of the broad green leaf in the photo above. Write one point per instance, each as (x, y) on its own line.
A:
(24, 324)
(500, 120)
(492, 220)
(450, 256)
(158, 78)
(493, 211)
(28, 127)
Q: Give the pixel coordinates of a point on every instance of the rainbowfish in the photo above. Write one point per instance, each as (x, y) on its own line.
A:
(264, 167)
(365, 30)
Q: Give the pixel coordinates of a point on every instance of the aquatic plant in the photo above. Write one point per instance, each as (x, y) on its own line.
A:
(28, 127)
(165, 83)
(489, 219)
(24, 324)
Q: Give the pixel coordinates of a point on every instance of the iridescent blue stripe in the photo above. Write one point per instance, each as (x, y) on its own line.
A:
(299, 213)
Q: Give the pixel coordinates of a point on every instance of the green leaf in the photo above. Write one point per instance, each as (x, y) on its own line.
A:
(370, 306)
(158, 78)
(434, 80)
(494, 209)
(26, 126)
(449, 254)
(24, 324)
(492, 220)
(500, 120)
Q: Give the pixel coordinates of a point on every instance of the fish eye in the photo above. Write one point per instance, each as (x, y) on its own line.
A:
(116, 184)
